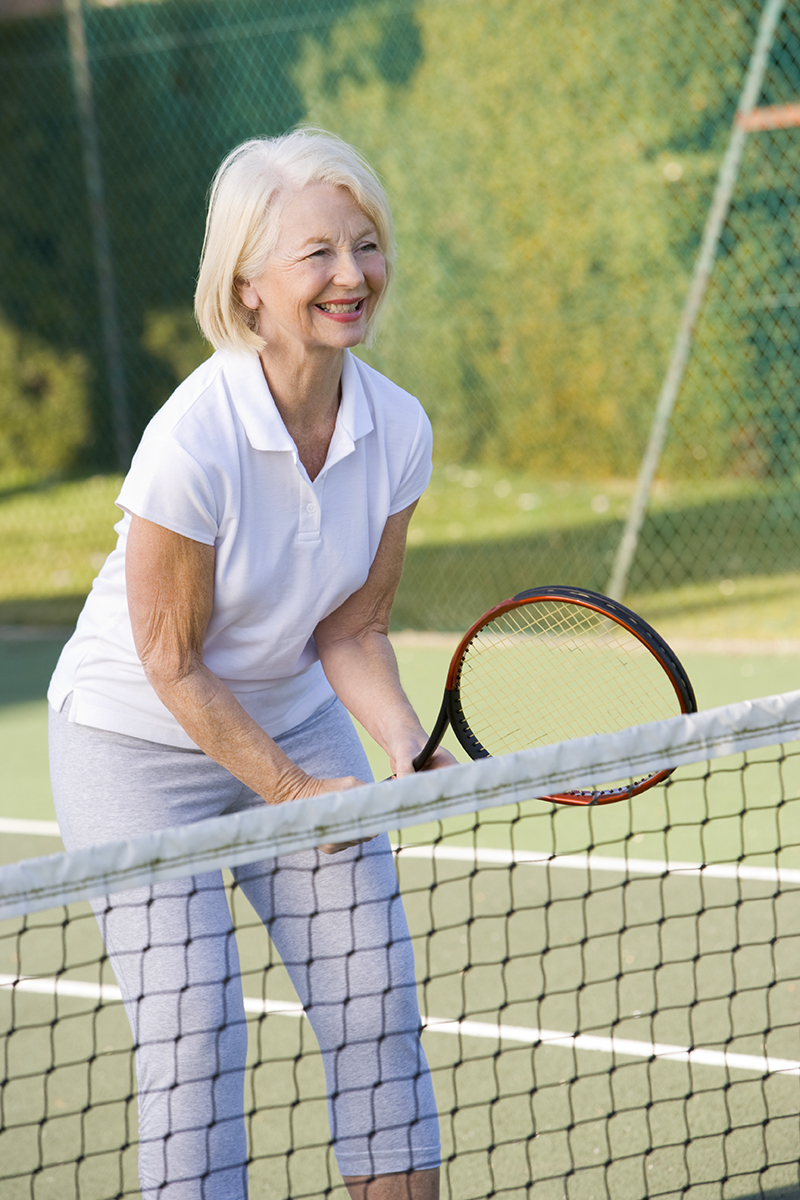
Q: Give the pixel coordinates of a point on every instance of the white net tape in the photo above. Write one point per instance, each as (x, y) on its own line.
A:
(41, 883)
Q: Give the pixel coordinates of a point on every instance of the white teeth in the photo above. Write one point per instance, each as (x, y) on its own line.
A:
(340, 308)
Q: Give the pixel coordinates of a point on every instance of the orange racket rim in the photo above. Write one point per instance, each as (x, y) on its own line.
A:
(606, 607)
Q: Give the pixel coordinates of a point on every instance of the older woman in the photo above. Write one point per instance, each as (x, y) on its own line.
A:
(244, 610)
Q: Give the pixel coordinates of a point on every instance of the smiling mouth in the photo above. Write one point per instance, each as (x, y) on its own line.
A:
(341, 306)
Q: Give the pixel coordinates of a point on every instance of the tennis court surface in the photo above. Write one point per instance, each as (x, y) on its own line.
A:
(605, 1019)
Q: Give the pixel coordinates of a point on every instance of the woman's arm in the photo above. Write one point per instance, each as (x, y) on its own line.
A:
(359, 661)
(170, 581)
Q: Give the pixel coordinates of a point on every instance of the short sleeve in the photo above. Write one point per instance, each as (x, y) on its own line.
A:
(418, 466)
(167, 486)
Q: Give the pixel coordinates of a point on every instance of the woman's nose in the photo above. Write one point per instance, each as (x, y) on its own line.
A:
(348, 272)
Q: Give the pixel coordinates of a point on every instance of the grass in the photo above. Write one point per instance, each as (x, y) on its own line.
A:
(475, 503)
(754, 607)
(54, 537)
(725, 551)
(482, 503)
(715, 560)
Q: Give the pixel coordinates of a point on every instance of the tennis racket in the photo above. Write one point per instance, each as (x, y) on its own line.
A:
(555, 663)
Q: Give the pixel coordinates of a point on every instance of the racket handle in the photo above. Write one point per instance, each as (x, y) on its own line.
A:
(442, 721)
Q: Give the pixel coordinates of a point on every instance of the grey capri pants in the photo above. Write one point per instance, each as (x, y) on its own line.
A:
(337, 922)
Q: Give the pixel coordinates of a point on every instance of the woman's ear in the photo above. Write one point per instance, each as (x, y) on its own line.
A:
(248, 293)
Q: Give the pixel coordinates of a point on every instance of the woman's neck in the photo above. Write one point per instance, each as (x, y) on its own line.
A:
(306, 394)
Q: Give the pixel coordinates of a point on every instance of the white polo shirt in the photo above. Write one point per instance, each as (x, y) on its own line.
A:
(217, 465)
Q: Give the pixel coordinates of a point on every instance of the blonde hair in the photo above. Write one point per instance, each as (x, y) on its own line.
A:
(243, 221)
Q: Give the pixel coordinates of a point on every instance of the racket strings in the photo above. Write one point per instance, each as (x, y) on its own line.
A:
(553, 670)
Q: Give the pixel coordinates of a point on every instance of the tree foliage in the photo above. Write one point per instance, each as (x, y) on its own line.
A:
(44, 415)
(551, 167)
(538, 289)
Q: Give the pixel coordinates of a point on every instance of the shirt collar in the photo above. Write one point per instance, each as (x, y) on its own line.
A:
(253, 402)
(262, 422)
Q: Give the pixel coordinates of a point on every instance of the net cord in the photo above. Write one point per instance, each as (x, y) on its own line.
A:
(41, 883)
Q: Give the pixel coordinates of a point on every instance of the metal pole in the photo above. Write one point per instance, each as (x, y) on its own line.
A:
(104, 268)
(715, 222)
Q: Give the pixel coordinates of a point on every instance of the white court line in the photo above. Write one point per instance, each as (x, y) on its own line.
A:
(109, 994)
(481, 854)
(42, 828)
(580, 862)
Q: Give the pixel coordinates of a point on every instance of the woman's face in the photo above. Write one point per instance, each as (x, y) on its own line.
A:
(323, 279)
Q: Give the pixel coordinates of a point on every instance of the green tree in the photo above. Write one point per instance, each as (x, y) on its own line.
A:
(550, 170)
(44, 413)
(537, 290)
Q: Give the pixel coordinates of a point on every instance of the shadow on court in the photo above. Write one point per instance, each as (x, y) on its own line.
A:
(786, 1193)
(447, 586)
(60, 611)
(26, 664)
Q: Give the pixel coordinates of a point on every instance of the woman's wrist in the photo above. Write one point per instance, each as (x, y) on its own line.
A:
(290, 783)
(404, 749)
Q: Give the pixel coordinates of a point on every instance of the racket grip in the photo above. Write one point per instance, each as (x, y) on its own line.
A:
(439, 728)
(419, 762)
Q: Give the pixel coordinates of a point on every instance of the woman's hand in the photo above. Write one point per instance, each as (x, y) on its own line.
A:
(318, 787)
(408, 744)
(297, 785)
(337, 847)
(402, 759)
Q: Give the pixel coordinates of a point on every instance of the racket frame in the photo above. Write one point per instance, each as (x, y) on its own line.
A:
(451, 712)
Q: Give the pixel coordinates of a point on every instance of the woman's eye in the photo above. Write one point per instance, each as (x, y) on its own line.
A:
(368, 246)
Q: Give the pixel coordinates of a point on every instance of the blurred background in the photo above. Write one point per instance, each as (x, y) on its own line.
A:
(552, 169)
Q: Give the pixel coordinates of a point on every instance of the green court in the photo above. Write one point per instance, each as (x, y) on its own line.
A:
(512, 961)
(27, 662)
(507, 949)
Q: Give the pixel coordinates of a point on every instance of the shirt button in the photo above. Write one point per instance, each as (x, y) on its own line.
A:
(312, 508)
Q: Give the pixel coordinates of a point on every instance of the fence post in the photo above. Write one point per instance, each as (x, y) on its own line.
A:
(715, 222)
(101, 242)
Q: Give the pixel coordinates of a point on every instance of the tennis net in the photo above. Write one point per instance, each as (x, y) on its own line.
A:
(609, 994)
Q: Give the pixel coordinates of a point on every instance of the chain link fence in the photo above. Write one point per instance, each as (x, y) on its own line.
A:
(552, 169)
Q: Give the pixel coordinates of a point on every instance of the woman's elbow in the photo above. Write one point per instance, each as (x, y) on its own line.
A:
(167, 665)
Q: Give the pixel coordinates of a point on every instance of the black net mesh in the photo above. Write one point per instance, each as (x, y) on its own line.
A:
(603, 1019)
